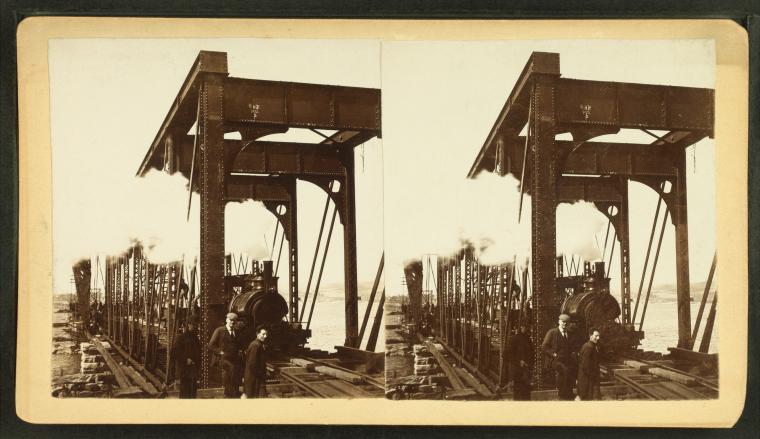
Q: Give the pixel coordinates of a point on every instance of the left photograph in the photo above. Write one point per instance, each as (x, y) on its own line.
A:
(217, 216)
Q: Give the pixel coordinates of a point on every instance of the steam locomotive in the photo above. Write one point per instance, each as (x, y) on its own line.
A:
(254, 298)
(587, 300)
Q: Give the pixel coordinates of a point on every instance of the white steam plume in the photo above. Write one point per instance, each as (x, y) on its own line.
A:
(483, 212)
(152, 211)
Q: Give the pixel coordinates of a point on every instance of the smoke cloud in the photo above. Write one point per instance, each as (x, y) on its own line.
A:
(483, 213)
(152, 211)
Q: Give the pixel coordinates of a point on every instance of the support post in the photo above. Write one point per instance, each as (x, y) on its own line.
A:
(468, 282)
(625, 250)
(681, 223)
(213, 168)
(543, 213)
(704, 345)
(349, 251)
(293, 252)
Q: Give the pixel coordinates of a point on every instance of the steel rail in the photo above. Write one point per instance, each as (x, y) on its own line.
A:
(302, 384)
(368, 379)
(637, 386)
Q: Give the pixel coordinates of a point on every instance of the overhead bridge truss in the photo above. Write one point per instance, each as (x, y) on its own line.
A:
(553, 171)
(223, 170)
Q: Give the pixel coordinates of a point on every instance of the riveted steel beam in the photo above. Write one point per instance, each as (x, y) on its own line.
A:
(302, 105)
(626, 105)
(603, 158)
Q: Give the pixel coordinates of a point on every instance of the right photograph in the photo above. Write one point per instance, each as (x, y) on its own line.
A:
(550, 220)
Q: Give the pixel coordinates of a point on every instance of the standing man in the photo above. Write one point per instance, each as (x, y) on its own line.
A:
(559, 351)
(521, 356)
(255, 379)
(187, 359)
(588, 368)
(225, 345)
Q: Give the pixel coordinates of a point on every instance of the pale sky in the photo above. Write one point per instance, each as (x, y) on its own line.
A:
(440, 99)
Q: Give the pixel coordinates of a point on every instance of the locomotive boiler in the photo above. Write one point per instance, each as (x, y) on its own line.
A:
(257, 302)
(588, 302)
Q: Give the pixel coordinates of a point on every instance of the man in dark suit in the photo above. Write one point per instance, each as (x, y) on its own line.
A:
(588, 368)
(224, 344)
(254, 382)
(521, 356)
(560, 354)
(186, 353)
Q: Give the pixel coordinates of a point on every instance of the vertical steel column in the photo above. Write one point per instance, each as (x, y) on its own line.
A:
(457, 302)
(440, 296)
(443, 280)
(681, 223)
(625, 249)
(213, 169)
(117, 302)
(543, 209)
(150, 272)
(136, 283)
(466, 350)
(293, 252)
(450, 287)
(125, 300)
(349, 251)
(505, 305)
(108, 289)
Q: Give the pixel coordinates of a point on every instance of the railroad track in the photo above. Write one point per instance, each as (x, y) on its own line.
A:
(657, 380)
(322, 379)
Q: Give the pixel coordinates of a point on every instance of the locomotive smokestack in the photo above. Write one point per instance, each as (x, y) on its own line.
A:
(267, 273)
(599, 269)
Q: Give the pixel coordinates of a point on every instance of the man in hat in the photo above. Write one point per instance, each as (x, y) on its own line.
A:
(588, 368)
(560, 354)
(256, 366)
(224, 343)
(186, 353)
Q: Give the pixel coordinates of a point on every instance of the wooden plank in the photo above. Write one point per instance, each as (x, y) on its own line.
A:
(303, 363)
(349, 389)
(340, 374)
(140, 381)
(328, 390)
(118, 373)
(460, 394)
(475, 384)
(293, 370)
(659, 391)
(470, 367)
(453, 377)
(673, 376)
(682, 391)
(641, 367)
